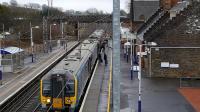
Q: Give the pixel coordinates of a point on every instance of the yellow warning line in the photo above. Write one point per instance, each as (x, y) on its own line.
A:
(109, 88)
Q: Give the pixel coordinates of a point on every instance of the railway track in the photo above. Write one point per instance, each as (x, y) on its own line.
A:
(37, 108)
(27, 98)
(28, 102)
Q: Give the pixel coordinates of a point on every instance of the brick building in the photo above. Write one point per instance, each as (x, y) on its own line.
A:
(178, 50)
(143, 9)
(168, 4)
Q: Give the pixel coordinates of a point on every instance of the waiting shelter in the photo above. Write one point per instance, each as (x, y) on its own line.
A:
(11, 58)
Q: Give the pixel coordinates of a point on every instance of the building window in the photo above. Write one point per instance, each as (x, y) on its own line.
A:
(142, 18)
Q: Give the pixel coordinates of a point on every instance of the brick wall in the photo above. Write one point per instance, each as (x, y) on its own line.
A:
(187, 58)
(167, 4)
(173, 33)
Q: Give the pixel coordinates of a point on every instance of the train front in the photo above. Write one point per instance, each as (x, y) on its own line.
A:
(58, 90)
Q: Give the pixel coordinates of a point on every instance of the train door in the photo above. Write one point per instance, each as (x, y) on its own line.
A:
(57, 91)
(90, 65)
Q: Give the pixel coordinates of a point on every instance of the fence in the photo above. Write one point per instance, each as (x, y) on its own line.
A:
(40, 48)
(189, 82)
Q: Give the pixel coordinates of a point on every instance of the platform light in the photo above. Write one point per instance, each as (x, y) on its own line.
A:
(50, 46)
(32, 43)
(151, 44)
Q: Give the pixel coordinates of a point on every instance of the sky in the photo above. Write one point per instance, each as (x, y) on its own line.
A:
(79, 5)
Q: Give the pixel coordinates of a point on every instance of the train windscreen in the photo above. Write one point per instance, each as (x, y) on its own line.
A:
(70, 89)
(57, 86)
(46, 88)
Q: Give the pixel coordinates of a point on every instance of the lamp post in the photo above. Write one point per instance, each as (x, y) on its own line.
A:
(62, 33)
(78, 31)
(50, 46)
(133, 37)
(140, 73)
(1, 47)
(1, 71)
(32, 43)
(19, 34)
(65, 40)
(127, 47)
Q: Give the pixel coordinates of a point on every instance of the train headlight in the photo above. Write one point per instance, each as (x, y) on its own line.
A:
(68, 101)
(48, 100)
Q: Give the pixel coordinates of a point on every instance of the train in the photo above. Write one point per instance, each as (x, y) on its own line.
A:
(63, 87)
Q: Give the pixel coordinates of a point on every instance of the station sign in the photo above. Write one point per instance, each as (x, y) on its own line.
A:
(142, 53)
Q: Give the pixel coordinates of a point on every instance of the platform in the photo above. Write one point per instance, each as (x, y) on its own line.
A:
(156, 92)
(13, 82)
(97, 94)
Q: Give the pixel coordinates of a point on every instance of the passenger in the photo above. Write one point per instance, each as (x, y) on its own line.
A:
(99, 56)
(105, 59)
(103, 47)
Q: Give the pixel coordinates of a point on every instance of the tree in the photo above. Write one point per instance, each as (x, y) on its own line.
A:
(45, 10)
(123, 13)
(5, 4)
(92, 11)
(13, 3)
(5, 17)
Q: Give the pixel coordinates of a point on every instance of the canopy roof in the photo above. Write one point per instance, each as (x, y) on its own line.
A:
(11, 50)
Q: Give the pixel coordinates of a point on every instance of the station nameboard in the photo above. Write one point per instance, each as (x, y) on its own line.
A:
(164, 64)
(174, 65)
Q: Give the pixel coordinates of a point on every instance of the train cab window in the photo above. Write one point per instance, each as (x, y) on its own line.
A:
(46, 88)
(70, 89)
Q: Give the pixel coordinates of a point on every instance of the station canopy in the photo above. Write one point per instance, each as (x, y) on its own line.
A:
(126, 34)
(11, 50)
(124, 30)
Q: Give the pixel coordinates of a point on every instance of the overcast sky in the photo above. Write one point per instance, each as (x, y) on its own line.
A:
(81, 5)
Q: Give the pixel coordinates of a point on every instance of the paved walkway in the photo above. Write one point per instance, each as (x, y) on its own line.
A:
(158, 94)
(13, 82)
(96, 100)
(105, 72)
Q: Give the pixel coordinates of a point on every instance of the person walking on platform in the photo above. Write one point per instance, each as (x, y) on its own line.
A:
(103, 47)
(105, 59)
(99, 57)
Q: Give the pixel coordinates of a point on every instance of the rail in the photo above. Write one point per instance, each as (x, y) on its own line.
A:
(23, 102)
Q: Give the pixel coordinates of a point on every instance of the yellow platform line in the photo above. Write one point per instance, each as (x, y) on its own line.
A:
(109, 87)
